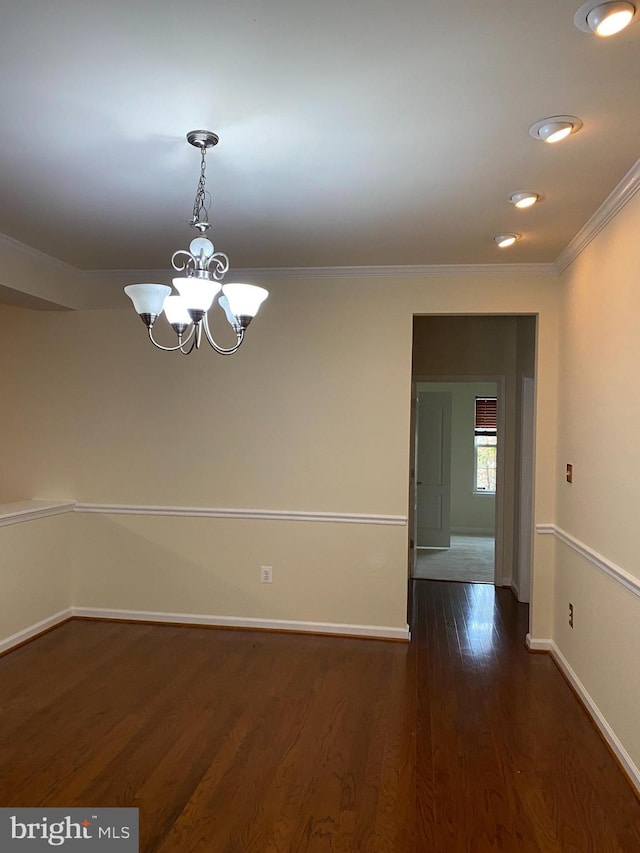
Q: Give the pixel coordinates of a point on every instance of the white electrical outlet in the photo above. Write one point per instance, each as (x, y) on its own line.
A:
(266, 574)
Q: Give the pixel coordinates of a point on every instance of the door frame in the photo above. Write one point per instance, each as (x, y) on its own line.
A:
(498, 575)
(525, 522)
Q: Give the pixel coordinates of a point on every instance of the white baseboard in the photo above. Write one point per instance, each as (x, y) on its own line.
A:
(382, 632)
(594, 712)
(374, 631)
(515, 589)
(538, 645)
(474, 531)
(34, 630)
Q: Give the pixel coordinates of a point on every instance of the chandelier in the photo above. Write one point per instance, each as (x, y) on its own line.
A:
(202, 271)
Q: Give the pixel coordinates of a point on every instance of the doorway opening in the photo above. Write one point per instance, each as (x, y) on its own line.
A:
(496, 354)
(457, 443)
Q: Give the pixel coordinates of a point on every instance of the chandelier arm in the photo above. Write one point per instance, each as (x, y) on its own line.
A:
(221, 263)
(217, 347)
(191, 348)
(190, 262)
(180, 345)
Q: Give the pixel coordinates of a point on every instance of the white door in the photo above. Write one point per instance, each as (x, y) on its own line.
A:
(433, 464)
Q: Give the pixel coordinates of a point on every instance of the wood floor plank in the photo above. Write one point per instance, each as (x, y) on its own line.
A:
(460, 742)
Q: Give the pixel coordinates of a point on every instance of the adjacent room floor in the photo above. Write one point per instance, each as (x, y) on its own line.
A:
(470, 558)
(247, 742)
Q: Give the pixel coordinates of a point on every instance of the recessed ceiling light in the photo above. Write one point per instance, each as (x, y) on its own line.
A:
(504, 240)
(555, 128)
(604, 19)
(523, 198)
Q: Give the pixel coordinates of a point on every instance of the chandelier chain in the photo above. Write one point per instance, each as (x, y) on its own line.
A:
(200, 207)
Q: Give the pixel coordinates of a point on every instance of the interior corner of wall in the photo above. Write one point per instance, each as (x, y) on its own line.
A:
(541, 614)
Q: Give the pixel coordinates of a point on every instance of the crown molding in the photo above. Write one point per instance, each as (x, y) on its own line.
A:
(400, 271)
(621, 194)
(506, 270)
(405, 271)
(12, 245)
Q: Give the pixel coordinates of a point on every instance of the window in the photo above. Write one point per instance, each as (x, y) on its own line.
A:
(486, 445)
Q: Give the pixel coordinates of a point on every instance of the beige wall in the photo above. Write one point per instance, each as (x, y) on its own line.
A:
(322, 572)
(35, 572)
(32, 278)
(599, 412)
(17, 362)
(311, 415)
(600, 391)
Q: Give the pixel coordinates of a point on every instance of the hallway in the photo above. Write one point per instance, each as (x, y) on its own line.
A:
(470, 559)
(508, 759)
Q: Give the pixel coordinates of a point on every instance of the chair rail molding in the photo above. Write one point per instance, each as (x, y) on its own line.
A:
(619, 574)
(16, 513)
(258, 514)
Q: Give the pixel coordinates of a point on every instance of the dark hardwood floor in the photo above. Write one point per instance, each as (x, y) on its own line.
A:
(239, 742)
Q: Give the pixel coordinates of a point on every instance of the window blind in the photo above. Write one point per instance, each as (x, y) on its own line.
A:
(486, 415)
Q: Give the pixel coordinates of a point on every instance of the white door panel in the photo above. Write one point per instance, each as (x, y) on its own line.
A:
(434, 469)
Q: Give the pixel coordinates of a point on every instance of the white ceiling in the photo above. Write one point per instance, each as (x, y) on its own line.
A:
(352, 132)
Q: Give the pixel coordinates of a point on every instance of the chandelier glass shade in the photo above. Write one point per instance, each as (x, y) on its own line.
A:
(199, 284)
